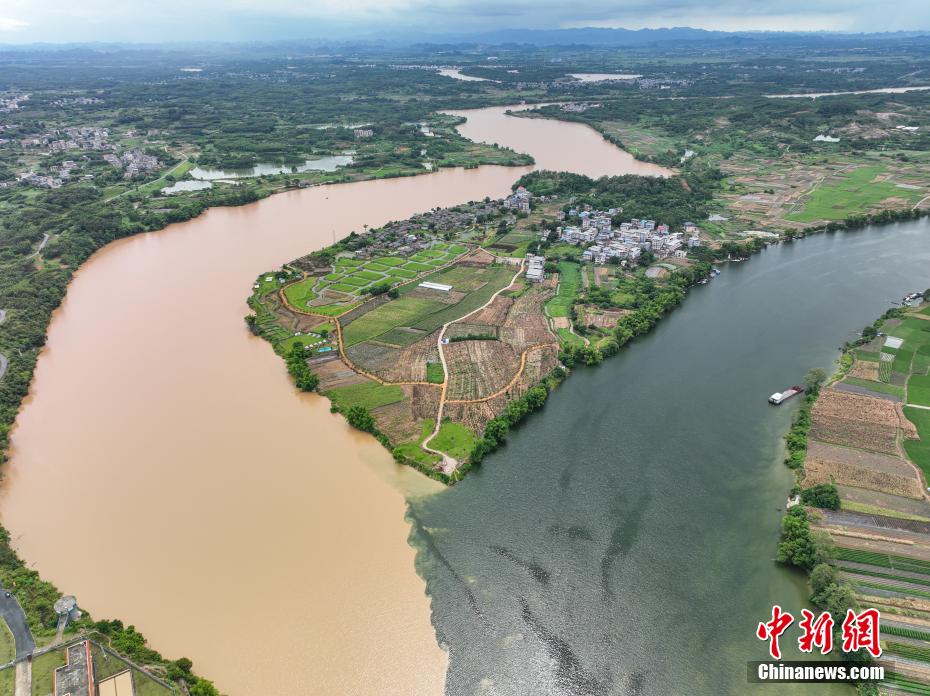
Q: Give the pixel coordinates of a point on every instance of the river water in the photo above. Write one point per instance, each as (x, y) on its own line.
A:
(622, 541)
(556, 145)
(165, 471)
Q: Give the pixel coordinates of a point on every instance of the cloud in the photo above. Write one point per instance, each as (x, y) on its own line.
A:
(156, 20)
(10, 24)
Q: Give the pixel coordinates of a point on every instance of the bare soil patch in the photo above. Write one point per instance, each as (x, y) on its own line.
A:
(494, 313)
(335, 373)
(827, 471)
(479, 368)
(590, 315)
(864, 370)
(870, 460)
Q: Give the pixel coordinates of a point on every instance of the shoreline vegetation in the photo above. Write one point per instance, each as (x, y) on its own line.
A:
(858, 519)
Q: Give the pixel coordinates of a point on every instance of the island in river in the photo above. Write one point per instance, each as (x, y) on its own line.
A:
(440, 332)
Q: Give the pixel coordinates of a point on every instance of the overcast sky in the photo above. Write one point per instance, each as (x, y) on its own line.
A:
(23, 21)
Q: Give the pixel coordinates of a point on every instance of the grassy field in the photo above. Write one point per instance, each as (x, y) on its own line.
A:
(454, 439)
(404, 311)
(876, 510)
(919, 450)
(855, 193)
(412, 450)
(43, 672)
(371, 395)
(918, 390)
(637, 140)
(568, 338)
(435, 373)
(493, 277)
(7, 653)
(569, 285)
(301, 292)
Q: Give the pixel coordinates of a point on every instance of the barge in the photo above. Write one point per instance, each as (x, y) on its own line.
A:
(781, 397)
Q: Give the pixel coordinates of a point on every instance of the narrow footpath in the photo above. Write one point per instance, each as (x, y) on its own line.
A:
(448, 463)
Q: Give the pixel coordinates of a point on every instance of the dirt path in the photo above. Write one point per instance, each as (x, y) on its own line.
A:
(448, 463)
(23, 678)
(45, 238)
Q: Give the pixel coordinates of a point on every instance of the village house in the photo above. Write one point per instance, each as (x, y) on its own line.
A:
(535, 268)
(519, 200)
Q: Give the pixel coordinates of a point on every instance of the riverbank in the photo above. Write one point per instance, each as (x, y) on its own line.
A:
(859, 450)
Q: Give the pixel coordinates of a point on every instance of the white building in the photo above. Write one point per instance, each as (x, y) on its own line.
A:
(535, 268)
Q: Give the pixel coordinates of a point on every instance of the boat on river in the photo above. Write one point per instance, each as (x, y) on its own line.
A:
(779, 398)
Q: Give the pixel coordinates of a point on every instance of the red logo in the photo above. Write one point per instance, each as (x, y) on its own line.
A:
(860, 631)
(771, 630)
(817, 632)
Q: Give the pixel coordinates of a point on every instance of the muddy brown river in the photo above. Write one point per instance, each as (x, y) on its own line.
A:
(166, 472)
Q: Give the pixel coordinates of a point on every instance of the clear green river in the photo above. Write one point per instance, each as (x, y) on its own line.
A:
(622, 542)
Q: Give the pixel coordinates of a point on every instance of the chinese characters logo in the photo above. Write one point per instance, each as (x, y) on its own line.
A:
(859, 631)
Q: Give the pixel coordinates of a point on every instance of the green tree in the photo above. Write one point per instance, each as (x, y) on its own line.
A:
(814, 378)
(797, 545)
(360, 417)
(823, 495)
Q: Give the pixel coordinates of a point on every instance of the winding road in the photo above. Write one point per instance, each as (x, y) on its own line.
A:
(448, 463)
(15, 618)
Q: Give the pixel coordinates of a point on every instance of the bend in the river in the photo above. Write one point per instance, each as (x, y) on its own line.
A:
(165, 471)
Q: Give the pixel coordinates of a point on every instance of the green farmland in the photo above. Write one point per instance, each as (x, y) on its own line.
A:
(425, 315)
(569, 285)
(855, 193)
(371, 395)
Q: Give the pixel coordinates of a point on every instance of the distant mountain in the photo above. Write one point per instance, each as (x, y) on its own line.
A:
(595, 36)
(590, 36)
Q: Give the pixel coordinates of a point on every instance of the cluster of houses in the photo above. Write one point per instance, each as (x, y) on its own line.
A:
(77, 101)
(363, 133)
(59, 176)
(133, 162)
(625, 243)
(519, 200)
(578, 107)
(404, 245)
(76, 138)
(11, 103)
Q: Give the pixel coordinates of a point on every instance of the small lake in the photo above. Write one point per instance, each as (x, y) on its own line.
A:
(323, 164)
